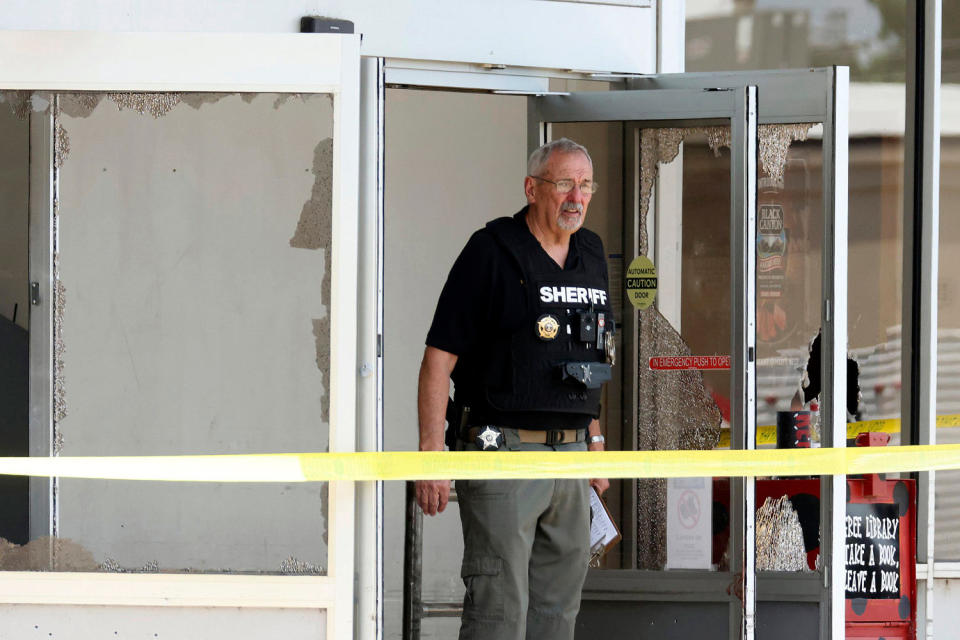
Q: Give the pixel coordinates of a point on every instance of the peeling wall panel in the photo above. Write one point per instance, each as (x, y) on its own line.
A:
(190, 322)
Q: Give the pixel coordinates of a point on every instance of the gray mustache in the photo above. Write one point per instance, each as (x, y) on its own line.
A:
(571, 207)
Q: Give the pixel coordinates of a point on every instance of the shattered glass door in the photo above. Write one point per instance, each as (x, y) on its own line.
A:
(789, 299)
(191, 262)
(672, 385)
(730, 349)
(683, 376)
(689, 408)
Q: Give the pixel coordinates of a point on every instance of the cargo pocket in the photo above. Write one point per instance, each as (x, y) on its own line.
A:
(483, 578)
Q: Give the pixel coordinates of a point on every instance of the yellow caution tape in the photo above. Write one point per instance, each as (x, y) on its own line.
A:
(410, 465)
(767, 434)
(631, 464)
(283, 467)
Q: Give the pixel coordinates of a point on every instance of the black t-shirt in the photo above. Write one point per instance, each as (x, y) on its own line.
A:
(484, 297)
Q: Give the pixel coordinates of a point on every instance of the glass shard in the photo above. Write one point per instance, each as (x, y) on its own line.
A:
(675, 411)
(779, 537)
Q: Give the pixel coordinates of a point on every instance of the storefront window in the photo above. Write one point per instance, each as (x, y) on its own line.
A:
(868, 37)
(191, 308)
(865, 35)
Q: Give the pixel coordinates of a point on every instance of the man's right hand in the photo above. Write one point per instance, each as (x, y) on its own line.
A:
(432, 393)
(433, 495)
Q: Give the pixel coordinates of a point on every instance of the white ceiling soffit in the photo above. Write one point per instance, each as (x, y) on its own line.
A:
(592, 36)
(527, 33)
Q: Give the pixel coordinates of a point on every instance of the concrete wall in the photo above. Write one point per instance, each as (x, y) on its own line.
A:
(193, 257)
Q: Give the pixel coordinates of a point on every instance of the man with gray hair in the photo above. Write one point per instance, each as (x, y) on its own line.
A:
(524, 328)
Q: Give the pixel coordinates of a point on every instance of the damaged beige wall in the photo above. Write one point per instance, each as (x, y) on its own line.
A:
(194, 257)
(14, 197)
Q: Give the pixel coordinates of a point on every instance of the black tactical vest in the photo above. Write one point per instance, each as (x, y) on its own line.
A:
(555, 343)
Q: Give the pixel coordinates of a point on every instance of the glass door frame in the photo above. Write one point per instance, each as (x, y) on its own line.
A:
(680, 107)
(793, 96)
(202, 62)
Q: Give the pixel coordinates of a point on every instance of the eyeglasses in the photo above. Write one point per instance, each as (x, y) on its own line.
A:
(566, 185)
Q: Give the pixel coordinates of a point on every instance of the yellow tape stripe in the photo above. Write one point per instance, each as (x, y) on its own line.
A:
(767, 434)
(410, 465)
(226, 468)
(309, 467)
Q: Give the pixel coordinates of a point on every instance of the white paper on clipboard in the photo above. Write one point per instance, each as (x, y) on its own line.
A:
(603, 532)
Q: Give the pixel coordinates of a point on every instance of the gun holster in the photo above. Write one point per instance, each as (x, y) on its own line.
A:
(591, 375)
(456, 420)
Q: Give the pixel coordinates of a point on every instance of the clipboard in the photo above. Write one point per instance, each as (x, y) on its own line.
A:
(604, 533)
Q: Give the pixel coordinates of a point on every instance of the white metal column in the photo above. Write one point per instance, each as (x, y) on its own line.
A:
(369, 547)
(743, 414)
(833, 417)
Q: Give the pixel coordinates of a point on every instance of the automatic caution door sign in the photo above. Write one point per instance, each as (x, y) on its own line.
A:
(641, 281)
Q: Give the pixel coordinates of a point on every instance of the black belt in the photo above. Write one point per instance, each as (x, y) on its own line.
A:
(535, 436)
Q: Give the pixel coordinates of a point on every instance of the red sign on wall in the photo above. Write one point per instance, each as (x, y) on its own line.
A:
(681, 363)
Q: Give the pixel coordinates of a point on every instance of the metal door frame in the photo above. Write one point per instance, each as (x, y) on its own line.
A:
(813, 95)
(680, 107)
(795, 96)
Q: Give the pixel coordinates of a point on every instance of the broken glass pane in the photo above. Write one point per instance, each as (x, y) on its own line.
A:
(679, 409)
(685, 410)
(779, 537)
(674, 411)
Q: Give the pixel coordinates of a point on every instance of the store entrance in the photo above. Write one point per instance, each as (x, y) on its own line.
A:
(676, 188)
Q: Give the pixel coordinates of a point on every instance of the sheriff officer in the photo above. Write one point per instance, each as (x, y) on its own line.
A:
(524, 328)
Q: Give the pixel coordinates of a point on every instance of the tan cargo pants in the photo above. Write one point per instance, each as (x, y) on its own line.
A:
(526, 548)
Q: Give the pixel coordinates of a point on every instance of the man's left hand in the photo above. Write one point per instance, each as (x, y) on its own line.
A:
(600, 484)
